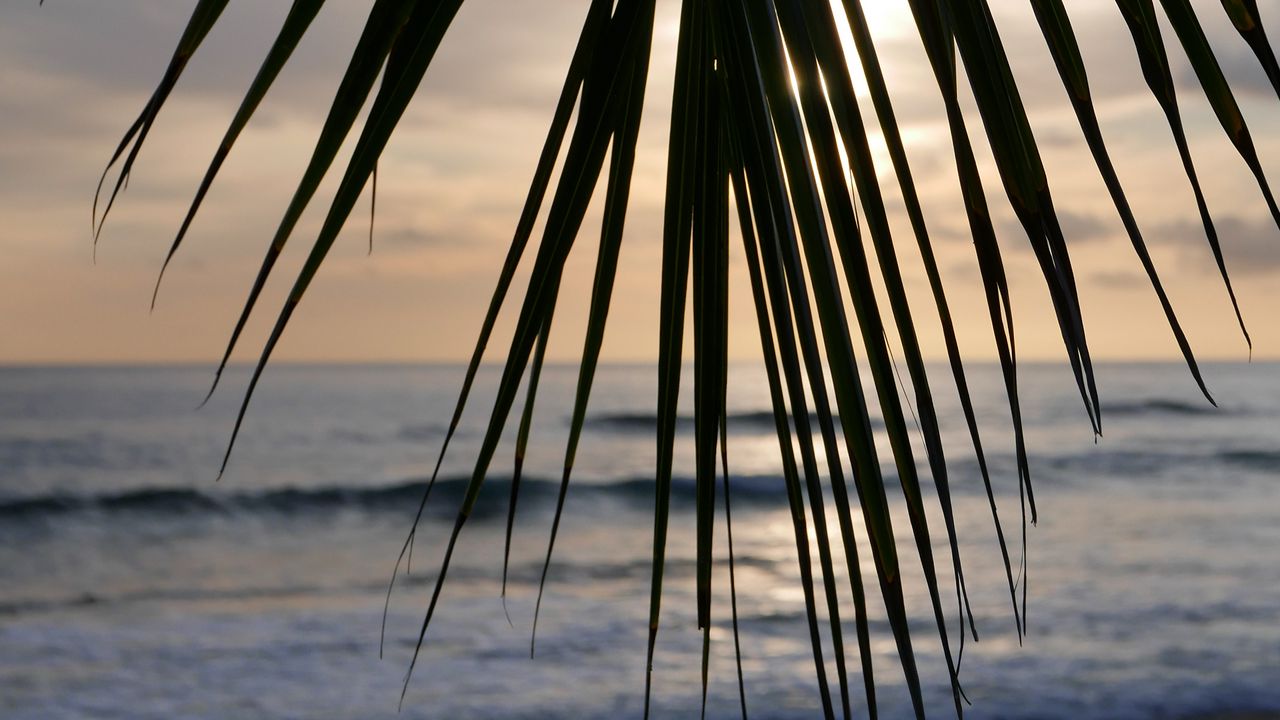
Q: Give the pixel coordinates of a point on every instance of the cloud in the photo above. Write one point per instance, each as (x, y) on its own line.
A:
(119, 49)
(1077, 227)
(1239, 64)
(74, 73)
(1250, 245)
(1118, 279)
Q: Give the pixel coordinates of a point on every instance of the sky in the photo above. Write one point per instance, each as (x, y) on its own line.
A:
(74, 74)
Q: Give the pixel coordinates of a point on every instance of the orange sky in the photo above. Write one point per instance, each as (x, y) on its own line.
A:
(74, 73)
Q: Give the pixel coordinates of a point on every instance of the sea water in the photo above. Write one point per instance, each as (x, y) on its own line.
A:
(134, 584)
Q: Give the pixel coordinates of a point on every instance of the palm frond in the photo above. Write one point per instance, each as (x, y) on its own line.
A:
(1244, 15)
(767, 140)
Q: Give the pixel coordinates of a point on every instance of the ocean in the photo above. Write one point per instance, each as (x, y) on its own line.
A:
(134, 584)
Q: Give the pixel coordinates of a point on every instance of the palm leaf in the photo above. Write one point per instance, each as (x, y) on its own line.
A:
(203, 18)
(1244, 15)
(1187, 26)
(677, 224)
(767, 133)
(621, 163)
(1059, 36)
(295, 26)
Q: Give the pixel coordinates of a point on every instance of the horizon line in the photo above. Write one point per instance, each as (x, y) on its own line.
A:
(6, 364)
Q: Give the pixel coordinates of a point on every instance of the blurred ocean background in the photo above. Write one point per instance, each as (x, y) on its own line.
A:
(132, 585)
